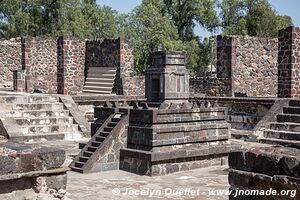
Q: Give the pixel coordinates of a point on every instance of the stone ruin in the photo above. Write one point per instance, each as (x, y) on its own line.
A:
(31, 172)
(168, 134)
(172, 128)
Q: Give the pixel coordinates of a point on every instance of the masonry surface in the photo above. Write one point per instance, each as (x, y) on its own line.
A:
(89, 113)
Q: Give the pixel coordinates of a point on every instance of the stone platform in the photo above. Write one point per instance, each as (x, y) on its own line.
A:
(31, 171)
(175, 137)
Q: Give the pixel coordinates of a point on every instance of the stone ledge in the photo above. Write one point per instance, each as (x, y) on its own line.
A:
(56, 171)
(161, 156)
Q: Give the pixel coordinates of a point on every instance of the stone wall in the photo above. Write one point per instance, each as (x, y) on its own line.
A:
(10, 59)
(288, 62)
(72, 65)
(31, 172)
(210, 86)
(41, 64)
(251, 63)
(102, 53)
(243, 113)
(225, 56)
(116, 53)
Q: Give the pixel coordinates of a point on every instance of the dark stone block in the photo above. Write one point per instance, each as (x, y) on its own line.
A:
(236, 160)
(7, 164)
(50, 158)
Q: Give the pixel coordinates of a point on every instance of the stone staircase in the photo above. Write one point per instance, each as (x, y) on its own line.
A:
(100, 153)
(100, 80)
(31, 117)
(286, 129)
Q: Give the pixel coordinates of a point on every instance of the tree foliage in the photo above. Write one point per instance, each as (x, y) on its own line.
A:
(251, 17)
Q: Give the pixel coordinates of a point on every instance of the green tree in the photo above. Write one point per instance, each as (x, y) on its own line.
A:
(251, 17)
(78, 18)
(187, 14)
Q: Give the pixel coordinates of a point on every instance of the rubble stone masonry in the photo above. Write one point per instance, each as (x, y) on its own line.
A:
(250, 62)
(288, 62)
(10, 59)
(41, 64)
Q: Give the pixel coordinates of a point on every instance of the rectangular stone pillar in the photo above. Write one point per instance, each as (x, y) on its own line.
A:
(19, 81)
(167, 79)
(71, 64)
(288, 62)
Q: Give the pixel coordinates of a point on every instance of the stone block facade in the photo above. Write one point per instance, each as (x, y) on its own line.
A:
(268, 168)
(41, 64)
(250, 62)
(255, 67)
(220, 87)
(167, 78)
(28, 171)
(71, 65)
(116, 53)
(60, 65)
(289, 62)
(19, 77)
(10, 59)
(174, 138)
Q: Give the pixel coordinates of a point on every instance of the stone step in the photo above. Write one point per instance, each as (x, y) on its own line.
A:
(40, 129)
(294, 103)
(285, 126)
(77, 169)
(284, 135)
(83, 159)
(96, 144)
(96, 91)
(79, 164)
(107, 80)
(44, 121)
(38, 106)
(87, 154)
(36, 137)
(104, 133)
(92, 149)
(100, 138)
(81, 145)
(108, 129)
(115, 119)
(29, 99)
(291, 110)
(39, 113)
(98, 84)
(288, 118)
(106, 75)
(111, 124)
(100, 69)
(100, 88)
(280, 142)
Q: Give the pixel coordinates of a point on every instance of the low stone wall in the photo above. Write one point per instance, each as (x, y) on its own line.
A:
(273, 169)
(134, 86)
(10, 59)
(29, 172)
(210, 86)
(243, 113)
